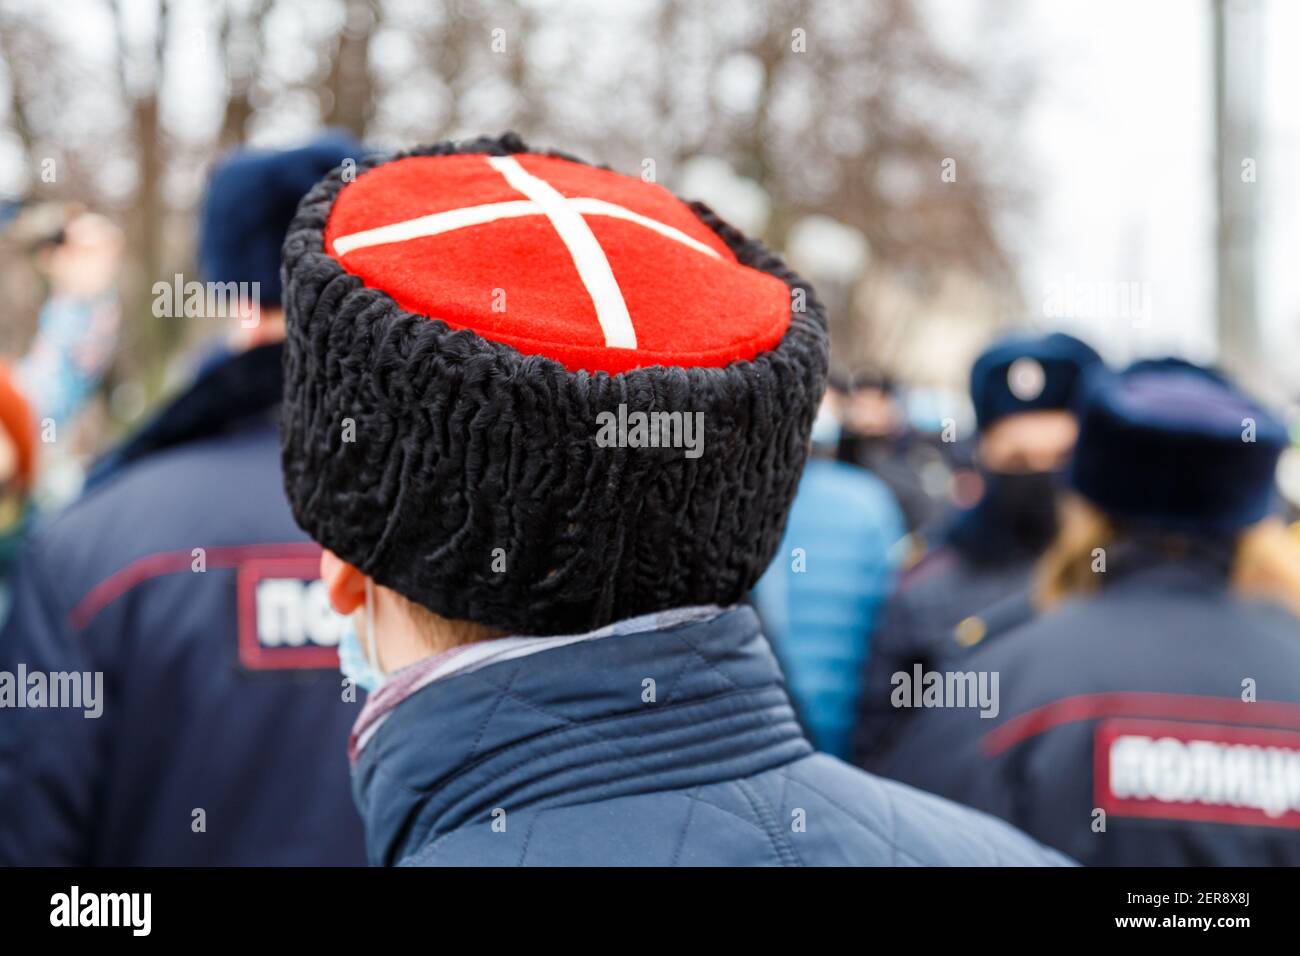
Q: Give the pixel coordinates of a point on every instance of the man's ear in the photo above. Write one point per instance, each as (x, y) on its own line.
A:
(345, 584)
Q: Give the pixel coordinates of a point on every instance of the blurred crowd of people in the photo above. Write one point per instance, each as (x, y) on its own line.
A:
(1113, 547)
(1082, 619)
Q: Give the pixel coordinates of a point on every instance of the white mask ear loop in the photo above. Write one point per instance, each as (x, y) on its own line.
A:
(372, 654)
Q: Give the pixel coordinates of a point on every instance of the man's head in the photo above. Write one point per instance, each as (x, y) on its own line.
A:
(1175, 448)
(1022, 388)
(533, 396)
(870, 408)
(1037, 441)
(1175, 455)
(251, 198)
(410, 632)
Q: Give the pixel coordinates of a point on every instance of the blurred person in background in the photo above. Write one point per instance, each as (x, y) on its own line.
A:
(820, 599)
(18, 452)
(79, 255)
(545, 604)
(877, 436)
(78, 326)
(1151, 714)
(1021, 389)
(181, 577)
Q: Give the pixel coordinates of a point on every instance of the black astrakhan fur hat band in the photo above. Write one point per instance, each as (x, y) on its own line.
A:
(538, 395)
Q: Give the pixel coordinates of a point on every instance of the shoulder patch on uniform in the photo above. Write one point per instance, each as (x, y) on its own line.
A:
(285, 618)
(1215, 773)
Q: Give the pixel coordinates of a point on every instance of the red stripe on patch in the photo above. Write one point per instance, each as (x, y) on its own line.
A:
(151, 566)
(1137, 704)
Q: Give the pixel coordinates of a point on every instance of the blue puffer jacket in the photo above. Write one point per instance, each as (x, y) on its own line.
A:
(819, 606)
(562, 758)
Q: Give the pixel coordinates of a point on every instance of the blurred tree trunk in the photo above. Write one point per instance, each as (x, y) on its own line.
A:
(149, 339)
(243, 48)
(349, 98)
(19, 121)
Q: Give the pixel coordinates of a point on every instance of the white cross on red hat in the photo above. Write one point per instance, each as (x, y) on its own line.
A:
(593, 269)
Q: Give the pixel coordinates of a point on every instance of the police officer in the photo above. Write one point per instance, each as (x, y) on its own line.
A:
(1021, 388)
(211, 725)
(1151, 714)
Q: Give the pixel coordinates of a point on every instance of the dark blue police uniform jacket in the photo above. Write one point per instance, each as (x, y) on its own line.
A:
(181, 578)
(921, 625)
(561, 758)
(1154, 723)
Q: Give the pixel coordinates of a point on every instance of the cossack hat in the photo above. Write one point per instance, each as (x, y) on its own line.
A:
(465, 323)
(251, 198)
(1025, 373)
(1173, 446)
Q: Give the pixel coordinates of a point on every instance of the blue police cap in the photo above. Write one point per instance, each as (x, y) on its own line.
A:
(251, 199)
(1174, 446)
(1025, 373)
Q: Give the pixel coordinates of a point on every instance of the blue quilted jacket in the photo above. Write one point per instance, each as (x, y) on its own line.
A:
(673, 747)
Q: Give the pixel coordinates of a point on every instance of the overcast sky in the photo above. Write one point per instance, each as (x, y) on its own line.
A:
(1120, 142)
(1119, 154)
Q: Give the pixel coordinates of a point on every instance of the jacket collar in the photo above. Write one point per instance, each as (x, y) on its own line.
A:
(467, 657)
(1146, 561)
(699, 702)
(227, 390)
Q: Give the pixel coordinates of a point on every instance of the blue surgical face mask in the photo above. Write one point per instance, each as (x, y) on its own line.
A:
(359, 663)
